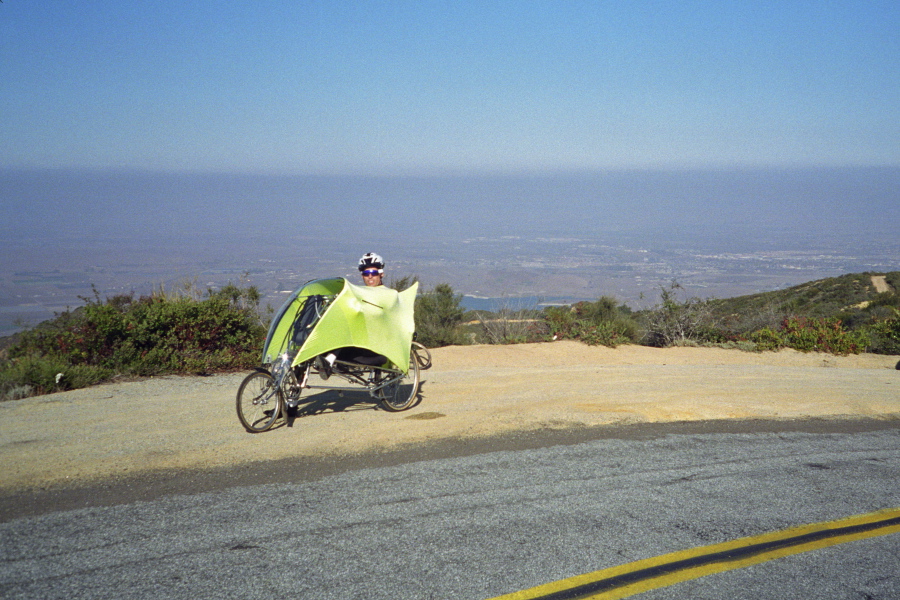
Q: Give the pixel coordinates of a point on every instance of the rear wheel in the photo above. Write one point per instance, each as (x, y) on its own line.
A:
(402, 394)
(259, 402)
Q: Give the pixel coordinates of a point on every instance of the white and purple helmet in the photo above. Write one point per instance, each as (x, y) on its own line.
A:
(371, 260)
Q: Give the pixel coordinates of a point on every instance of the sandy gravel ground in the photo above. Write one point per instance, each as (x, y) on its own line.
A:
(122, 430)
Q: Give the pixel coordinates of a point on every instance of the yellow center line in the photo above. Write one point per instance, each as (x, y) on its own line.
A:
(660, 571)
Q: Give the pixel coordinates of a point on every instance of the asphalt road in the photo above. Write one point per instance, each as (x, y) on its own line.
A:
(470, 523)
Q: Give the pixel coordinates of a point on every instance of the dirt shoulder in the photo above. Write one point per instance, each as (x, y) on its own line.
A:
(124, 430)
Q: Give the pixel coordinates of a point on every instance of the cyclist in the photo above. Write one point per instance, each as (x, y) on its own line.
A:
(371, 267)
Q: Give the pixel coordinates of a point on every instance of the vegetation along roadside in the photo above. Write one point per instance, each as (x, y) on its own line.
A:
(192, 332)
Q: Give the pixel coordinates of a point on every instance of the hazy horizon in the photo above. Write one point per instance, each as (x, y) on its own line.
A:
(828, 200)
(581, 235)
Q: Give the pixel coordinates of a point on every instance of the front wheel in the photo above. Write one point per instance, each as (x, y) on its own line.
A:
(259, 402)
(402, 394)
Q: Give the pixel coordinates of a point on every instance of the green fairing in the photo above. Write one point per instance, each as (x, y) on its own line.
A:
(279, 331)
(376, 318)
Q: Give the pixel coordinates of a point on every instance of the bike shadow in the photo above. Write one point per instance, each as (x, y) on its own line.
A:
(335, 401)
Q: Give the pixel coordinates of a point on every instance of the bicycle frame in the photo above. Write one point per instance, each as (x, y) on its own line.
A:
(293, 380)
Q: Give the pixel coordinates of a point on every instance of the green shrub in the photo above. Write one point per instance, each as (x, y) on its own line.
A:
(822, 335)
(33, 375)
(438, 313)
(767, 339)
(885, 335)
(889, 299)
(603, 334)
(812, 335)
(439, 316)
(893, 280)
(595, 323)
(150, 335)
(560, 321)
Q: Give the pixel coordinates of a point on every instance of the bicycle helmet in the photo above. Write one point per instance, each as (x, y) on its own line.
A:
(371, 261)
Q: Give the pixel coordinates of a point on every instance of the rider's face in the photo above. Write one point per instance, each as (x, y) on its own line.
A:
(372, 280)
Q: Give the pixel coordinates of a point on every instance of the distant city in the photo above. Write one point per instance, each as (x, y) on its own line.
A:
(495, 239)
(490, 272)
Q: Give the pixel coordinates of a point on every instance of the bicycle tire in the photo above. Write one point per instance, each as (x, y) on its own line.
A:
(404, 393)
(259, 402)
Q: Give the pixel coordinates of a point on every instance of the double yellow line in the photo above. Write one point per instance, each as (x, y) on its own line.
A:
(651, 573)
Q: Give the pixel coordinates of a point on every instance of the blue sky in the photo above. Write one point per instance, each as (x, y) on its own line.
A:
(293, 87)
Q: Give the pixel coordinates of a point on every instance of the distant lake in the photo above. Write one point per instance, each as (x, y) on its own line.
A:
(523, 303)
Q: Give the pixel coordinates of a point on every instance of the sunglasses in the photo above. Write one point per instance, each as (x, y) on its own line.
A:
(370, 272)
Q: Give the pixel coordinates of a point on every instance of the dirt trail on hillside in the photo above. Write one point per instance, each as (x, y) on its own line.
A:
(880, 283)
(125, 429)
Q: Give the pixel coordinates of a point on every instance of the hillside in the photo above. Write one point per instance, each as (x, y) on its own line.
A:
(855, 298)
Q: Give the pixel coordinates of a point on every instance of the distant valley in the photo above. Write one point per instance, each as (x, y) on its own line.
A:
(554, 236)
(557, 269)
